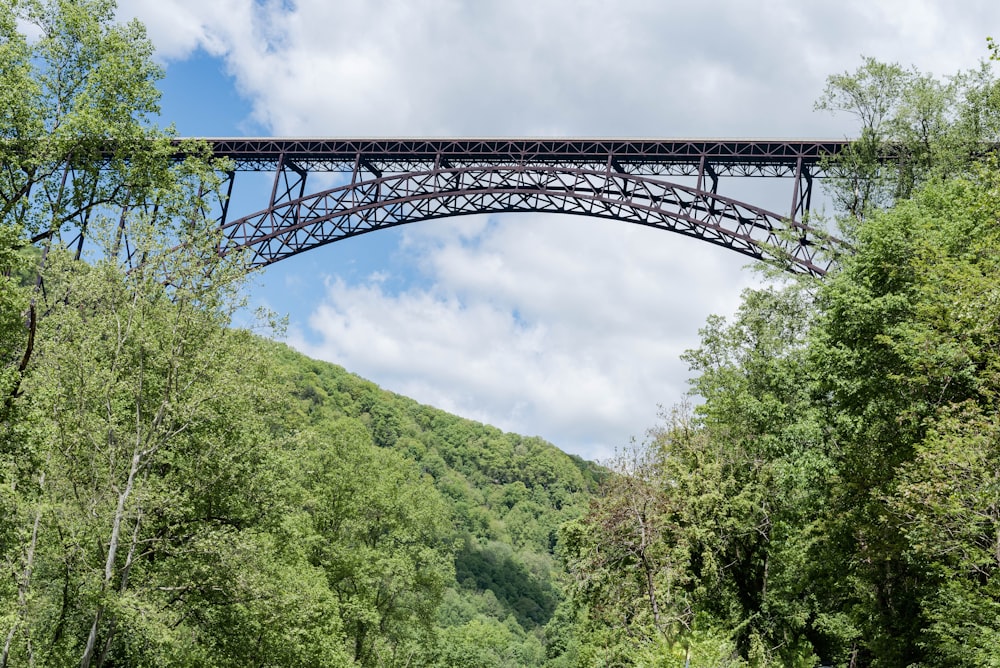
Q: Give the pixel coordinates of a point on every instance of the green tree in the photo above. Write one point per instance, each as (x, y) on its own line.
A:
(382, 537)
(947, 502)
(138, 525)
(767, 441)
(911, 127)
(906, 351)
(488, 643)
(77, 139)
(861, 178)
(630, 556)
(713, 538)
(77, 102)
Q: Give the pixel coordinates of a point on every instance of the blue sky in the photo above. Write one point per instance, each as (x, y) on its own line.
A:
(570, 329)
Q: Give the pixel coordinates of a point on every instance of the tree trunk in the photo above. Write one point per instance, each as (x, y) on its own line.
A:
(109, 563)
(24, 584)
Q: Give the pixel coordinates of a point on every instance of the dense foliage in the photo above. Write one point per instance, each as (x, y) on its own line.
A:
(174, 491)
(833, 498)
(497, 501)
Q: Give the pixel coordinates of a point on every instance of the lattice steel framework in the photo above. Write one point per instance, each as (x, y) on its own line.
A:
(389, 182)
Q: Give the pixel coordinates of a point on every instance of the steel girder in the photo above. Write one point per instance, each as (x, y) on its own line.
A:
(295, 223)
(396, 181)
(649, 157)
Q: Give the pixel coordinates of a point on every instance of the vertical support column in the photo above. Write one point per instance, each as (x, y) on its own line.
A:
(78, 220)
(447, 180)
(289, 182)
(801, 192)
(224, 199)
(609, 180)
(364, 193)
(356, 170)
(83, 220)
(705, 169)
(355, 177)
(225, 195)
(795, 189)
(801, 201)
(807, 193)
(121, 233)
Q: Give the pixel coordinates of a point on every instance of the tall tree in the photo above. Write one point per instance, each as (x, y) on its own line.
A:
(708, 540)
(133, 456)
(911, 126)
(382, 539)
(906, 351)
(77, 99)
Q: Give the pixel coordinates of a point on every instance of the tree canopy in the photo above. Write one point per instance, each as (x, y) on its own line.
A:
(831, 498)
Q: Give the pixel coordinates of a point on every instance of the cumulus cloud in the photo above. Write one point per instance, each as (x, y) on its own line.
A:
(545, 325)
(639, 67)
(564, 327)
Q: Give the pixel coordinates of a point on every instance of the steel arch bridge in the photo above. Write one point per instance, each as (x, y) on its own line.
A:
(389, 182)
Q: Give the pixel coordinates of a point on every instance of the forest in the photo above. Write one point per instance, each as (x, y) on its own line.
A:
(178, 491)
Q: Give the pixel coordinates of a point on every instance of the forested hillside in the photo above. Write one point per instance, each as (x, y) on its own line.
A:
(502, 496)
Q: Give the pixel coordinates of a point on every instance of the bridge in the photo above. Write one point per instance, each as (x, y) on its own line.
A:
(669, 184)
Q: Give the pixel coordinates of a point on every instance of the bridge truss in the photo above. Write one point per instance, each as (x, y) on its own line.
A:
(667, 184)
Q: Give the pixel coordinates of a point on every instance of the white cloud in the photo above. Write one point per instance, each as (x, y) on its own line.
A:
(563, 67)
(568, 328)
(565, 327)
(178, 27)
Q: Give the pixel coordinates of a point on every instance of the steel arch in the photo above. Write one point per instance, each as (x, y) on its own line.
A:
(297, 224)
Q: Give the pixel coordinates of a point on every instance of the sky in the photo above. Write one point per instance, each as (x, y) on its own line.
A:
(567, 328)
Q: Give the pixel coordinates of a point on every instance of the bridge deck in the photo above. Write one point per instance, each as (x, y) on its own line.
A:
(736, 157)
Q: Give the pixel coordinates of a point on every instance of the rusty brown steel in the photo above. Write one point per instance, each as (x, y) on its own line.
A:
(295, 225)
(663, 157)
(390, 182)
